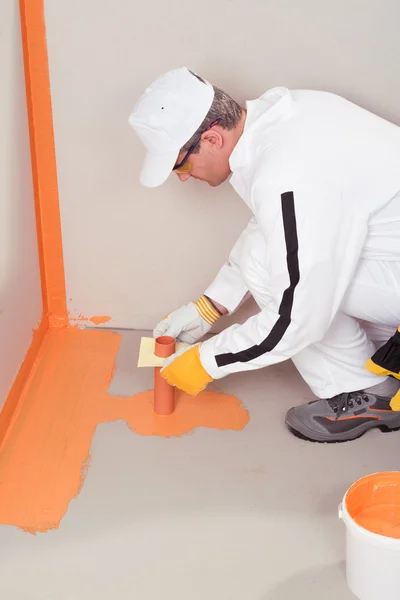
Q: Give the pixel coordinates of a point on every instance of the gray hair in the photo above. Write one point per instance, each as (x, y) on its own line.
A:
(223, 107)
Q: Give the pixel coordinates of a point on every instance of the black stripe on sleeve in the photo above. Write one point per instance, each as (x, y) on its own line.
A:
(285, 308)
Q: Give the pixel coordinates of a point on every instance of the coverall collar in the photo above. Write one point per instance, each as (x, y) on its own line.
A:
(265, 111)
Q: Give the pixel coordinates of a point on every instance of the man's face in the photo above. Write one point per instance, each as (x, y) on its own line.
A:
(211, 163)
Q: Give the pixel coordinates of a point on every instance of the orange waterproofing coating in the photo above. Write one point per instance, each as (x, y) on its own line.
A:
(44, 175)
(43, 463)
(374, 503)
(164, 394)
(14, 398)
(44, 178)
(44, 171)
(60, 395)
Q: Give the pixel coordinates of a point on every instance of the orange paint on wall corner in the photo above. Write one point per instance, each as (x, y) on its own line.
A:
(60, 394)
(43, 157)
(47, 211)
(12, 405)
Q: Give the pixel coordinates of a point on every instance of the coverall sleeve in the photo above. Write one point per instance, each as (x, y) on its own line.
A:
(314, 242)
(229, 287)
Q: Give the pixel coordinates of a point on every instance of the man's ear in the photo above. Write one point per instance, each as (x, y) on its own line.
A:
(213, 138)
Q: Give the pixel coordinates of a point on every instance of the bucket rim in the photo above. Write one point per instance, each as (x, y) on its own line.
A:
(348, 519)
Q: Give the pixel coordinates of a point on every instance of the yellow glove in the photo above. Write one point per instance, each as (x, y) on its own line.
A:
(185, 371)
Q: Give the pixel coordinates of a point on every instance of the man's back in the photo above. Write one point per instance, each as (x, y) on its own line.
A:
(332, 154)
(317, 136)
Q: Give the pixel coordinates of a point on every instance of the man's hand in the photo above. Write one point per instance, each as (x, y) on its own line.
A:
(185, 371)
(189, 323)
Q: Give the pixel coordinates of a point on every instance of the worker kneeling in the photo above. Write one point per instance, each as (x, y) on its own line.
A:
(320, 256)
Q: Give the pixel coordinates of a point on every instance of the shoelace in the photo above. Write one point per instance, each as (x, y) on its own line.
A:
(341, 403)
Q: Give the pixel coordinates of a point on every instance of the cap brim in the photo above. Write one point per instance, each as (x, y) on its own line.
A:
(157, 168)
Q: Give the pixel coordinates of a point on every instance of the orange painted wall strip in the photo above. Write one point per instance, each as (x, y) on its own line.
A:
(48, 222)
(60, 394)
(12, 405)
(44, 176)
(43, 158)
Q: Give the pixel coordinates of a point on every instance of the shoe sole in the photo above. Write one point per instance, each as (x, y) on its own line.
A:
(302, 432)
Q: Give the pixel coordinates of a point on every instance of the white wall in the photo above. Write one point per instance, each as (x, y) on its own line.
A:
(20, 292)
(103, 54)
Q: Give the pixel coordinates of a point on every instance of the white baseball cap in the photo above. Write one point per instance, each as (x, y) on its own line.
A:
(166, 116)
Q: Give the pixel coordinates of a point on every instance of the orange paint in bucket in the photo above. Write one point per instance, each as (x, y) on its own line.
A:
(374, 503)
(371, 512)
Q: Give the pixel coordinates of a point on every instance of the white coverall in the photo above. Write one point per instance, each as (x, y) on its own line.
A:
(321, 255)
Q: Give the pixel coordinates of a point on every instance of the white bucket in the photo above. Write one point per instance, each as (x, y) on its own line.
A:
(372, 559)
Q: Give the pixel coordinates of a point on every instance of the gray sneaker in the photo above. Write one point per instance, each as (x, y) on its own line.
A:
(342, 418)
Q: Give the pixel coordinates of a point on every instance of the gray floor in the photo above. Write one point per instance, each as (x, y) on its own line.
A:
(213, 515)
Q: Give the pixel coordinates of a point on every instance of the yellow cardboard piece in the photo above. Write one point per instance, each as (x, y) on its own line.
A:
(147, 358)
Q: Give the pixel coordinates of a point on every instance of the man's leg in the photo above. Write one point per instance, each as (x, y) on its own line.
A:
(337, 363)
(335, 369)
(354, 400)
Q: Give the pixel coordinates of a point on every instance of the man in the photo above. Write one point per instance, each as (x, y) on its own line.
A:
(321, 255)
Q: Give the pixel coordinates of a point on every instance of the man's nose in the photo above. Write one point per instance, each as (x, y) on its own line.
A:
(183, 176)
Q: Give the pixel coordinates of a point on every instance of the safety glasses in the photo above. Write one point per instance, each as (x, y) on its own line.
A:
(185, 167)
